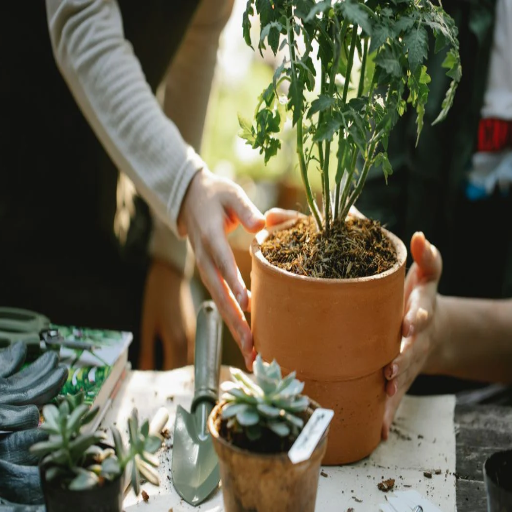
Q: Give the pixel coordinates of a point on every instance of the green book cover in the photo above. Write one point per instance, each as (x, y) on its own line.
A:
(89, 370)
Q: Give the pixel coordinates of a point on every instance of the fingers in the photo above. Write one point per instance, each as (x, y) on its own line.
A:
(236, 200)
(276, 216)
(220, 252)
(427, 257)
(228, 307)
(420, 309)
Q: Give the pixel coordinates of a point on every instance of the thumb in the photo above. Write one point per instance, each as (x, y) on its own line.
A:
(276, 216)
(249, 216)
(427, 257)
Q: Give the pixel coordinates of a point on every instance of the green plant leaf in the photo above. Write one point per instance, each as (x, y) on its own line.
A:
(389, 62)
(90, 415)
(382, 160)
(246, 381)
(144, 430)
(299, 404)
(323, 102)
(320, 7)
(242, 395)
(44, 447)
(135, 478)
(231, 409)
(152, 444)
(84, 480)
(294, 420)
(416, 43)
(118, 443)
(279, 428)
(253, 432)
(248, 417)
(247, 132)
(54, 472)
(246, 22)
(327, 129)
(381, 33)
(403, 24)
(295, 387)
(79, 445)
(51, 416)
(75, 419)
(110, 468)
(356, 13)
(268, 410)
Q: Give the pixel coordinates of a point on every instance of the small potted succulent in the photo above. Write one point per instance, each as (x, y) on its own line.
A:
(80, 472)
(253, 428)
(498, 481)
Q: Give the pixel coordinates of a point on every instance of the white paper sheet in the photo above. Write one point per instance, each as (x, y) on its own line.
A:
(423, 439)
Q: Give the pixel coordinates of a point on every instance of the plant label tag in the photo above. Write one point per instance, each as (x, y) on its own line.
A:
(310, 436)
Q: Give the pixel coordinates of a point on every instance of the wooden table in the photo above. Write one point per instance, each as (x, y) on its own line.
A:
(480, 431)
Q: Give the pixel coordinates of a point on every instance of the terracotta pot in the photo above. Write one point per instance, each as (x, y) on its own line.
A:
(253, 482)
(337, 334)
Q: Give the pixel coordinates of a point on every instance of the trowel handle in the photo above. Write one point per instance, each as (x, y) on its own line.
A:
(208, 353)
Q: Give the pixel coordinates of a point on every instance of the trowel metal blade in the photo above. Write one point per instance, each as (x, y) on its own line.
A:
(195, 466)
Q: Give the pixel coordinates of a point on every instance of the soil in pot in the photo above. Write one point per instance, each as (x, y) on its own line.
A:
(105, 498)
(498, 481)
(256, 480)
(356, 248)
(330, 308)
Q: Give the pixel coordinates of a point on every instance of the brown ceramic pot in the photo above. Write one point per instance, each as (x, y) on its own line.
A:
(254, 482)
(337, 334)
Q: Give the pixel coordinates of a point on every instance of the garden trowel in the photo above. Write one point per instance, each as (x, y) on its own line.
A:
(195, 467)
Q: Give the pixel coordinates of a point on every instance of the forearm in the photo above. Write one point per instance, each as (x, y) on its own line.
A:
(108, 84)
(473, 339)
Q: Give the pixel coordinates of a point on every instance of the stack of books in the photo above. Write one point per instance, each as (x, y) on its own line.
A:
(98, 373)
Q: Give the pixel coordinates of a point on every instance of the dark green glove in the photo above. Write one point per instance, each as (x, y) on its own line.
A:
(21, 392)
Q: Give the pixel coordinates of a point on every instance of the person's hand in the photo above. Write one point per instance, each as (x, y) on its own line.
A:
(168, 315)
(212, 207)
(418, 326)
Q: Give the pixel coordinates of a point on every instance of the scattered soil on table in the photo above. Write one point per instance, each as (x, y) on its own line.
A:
(355, 248)
(324, 474)
(145, 496)
(427, 474)
(386, 485)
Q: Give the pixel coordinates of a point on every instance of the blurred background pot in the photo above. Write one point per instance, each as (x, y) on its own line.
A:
(498, 481)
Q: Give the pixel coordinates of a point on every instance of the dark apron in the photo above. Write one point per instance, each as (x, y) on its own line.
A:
(58, 251)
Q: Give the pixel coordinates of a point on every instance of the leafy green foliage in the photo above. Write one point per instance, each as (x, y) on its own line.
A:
(78, 462)
(270, 402)
(393, 77)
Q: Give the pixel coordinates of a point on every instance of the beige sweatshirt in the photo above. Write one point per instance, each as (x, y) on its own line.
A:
(109, 86)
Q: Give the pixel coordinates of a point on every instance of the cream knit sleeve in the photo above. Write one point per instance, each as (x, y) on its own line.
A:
(108, 84)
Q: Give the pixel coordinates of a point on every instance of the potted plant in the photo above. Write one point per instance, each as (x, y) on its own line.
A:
(327, 290)
(81, 473)
(498, 481)
(252, 429)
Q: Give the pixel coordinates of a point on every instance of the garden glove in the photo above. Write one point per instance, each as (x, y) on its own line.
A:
(22, 392)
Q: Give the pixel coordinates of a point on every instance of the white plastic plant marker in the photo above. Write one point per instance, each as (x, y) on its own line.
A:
(405, 501)
(308, 439)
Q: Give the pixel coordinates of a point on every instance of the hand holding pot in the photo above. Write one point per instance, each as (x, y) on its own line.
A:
(418, 327)
(212, 207)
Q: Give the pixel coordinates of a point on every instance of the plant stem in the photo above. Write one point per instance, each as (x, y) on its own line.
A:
(327, 157)
(360, 184)
(300, 147)
(346, 189)
(350, 63)
(363, 69)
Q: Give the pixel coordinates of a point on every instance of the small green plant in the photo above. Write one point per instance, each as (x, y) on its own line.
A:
(270, 402)
(343, 117)
(78, 461)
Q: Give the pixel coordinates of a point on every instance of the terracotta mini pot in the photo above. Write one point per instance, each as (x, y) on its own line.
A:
(253, 482)
(337, 334)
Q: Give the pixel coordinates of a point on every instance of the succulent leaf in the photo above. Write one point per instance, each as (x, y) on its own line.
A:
(267, 402)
